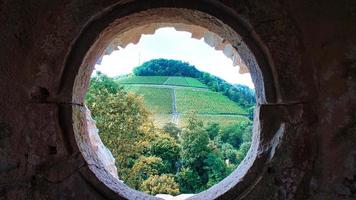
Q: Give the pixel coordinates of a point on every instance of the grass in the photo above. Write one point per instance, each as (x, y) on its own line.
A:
(192, 82)
(143, 80)
(175, 80)
(158, 100)
(162, 80)
(205, 102)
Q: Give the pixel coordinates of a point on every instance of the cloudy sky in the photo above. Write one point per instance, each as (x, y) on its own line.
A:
(171, 44)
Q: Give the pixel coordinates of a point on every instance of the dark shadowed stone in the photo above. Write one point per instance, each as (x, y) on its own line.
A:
(304, 133)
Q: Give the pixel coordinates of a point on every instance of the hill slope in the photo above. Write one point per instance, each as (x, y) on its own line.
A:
(171, 99)
(162, 80)
(241, 94)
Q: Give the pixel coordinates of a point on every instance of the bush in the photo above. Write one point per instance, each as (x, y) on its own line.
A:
(164, 184)
(143, 168)
(189, 181)
(166, 148)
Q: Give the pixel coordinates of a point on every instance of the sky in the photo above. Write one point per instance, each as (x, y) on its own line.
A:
(171, 44)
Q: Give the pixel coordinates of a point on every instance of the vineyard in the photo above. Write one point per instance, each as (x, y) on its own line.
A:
(162, 80)
(192, 82)
(192, 96)
(158, 100)
(205, 102)
(143, 80)
(178, 81)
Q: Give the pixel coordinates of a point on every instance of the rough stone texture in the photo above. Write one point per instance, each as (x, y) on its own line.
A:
(304, 134)
(98, 147)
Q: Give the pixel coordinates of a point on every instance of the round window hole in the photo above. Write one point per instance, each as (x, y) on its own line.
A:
(168, 108)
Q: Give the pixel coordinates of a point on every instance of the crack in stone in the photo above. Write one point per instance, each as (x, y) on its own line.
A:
(59, 103)
(66, 177)
(287, 104)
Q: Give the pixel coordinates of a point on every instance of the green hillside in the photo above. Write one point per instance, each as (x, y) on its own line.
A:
(240, 94)
(205, 102)
(157, 100)
(162, 80)
(189, 95)
(143, 80)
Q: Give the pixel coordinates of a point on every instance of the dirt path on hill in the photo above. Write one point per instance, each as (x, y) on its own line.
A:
(175, 114)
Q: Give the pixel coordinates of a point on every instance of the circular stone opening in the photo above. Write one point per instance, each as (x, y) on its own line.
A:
(129, 29)
(170, 104)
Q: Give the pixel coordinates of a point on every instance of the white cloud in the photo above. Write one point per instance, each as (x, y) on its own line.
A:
(170, 44)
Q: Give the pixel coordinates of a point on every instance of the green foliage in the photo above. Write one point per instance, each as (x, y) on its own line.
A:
(172, 130)
(146, 157)
(229, 153)
(194, 144)
(164, 184)
(166, 148)
(189, 181)
(243, 151)
(213, 129)
(164, 67)
(143, 168)
(234, 135)
(231, 135)
(250, 112)
(215, 168)
(122, 120)
(222, 120)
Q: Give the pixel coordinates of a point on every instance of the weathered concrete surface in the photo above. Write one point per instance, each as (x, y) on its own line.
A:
(304, 138)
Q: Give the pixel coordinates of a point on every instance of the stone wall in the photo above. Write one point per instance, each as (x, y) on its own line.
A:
(304, 135)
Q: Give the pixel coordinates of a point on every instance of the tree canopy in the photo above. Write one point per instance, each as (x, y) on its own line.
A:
(170, 160)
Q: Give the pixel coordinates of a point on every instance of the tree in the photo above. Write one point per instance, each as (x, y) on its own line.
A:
(213, 129)
(232, 135)
(229, 153)
(165, 67)
(122, 120)
(215, 168)
(172, 130)
(194, 144)
(242, 152)
(166, 148)
(189, 181)
(164, 184)
(250, 112)
(143, 168)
